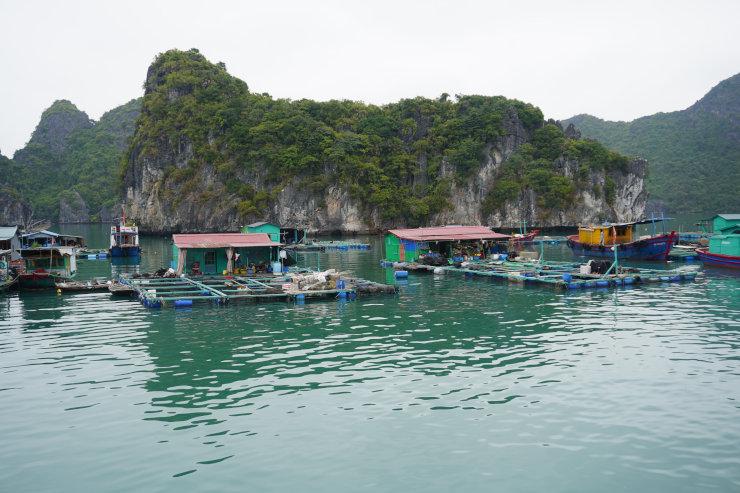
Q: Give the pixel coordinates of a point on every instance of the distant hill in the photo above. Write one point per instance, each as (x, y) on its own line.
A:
(68, 171)
(693, 154)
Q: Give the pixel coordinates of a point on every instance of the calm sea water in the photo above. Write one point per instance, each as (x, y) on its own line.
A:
(453, 385)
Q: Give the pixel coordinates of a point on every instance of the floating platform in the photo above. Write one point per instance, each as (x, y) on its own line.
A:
(683, 254)
(156, 292)
(560, 275)
(325, 246)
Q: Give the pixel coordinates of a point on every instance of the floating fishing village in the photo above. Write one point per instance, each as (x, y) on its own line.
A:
(258, 263)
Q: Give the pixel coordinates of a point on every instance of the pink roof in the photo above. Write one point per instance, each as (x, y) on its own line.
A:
(223, 240)
(448, 233)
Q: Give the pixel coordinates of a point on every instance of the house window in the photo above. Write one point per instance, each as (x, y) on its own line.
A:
(210, 258)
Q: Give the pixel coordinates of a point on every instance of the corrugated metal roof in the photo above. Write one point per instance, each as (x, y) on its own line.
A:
(730, 217)
(448, 233)
(7, 232)
(41, 233)
(223, 240)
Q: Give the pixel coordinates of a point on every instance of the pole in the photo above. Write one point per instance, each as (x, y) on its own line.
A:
(542, 251)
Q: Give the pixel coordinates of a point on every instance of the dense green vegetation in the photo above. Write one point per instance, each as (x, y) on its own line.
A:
(402, 159)
(67, 153)
(694, 154)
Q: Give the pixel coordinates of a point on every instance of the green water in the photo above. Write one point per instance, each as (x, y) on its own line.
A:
(453, 385)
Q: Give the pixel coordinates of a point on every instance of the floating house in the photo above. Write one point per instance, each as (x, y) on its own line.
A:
(597, 241)
(44, 266)
(215, 253)
(286, 236)
(724, 244)
(406, 245)
(10, 241)
(44, 239)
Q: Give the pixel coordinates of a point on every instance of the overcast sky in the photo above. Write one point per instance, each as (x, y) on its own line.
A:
(614, 59)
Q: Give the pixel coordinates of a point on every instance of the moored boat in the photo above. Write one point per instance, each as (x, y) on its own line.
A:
(43, 267)
(724, 245)
(597, 241)
(124, 241)
(8, 278)
(525, 237)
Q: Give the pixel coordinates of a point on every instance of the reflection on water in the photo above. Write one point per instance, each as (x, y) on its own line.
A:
(455, 384)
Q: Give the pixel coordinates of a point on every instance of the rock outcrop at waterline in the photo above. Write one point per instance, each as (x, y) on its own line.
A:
(209, 155)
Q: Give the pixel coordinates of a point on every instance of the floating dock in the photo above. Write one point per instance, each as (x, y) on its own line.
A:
(325, 246)
(156, 292)
(560, 275)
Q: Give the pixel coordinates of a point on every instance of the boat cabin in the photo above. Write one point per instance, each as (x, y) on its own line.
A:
(10, 241)
(726, 224)
(407, 245)
(58, 260)
(124, 236)
(45, 239)
(607, 234)
(216, 253)
(286, 236)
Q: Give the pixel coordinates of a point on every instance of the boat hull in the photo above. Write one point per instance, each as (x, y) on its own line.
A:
(39, 280)
(8, 284)
(718, 259)
(653, 248)
(117, 251)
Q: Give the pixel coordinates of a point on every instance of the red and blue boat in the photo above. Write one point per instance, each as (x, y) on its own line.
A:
(597, 241)
(724, 244)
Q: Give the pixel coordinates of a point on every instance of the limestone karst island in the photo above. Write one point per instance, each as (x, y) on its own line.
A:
(323, 246)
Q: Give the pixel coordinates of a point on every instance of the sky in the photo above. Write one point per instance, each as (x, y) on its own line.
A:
(617, 59)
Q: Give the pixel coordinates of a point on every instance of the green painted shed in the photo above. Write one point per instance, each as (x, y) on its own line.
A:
(726, 223)
(264, 227)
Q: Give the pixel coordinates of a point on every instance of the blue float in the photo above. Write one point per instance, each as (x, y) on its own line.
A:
(401, 274)
(183, 303)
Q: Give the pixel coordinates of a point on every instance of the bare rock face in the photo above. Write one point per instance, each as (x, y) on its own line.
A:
(73, 209)
(13, 211)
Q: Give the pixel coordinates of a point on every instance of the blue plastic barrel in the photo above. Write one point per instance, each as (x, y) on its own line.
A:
(602, 284)
(629, 280)
(183, 303)
(343, 295)
(567, 277)
(92, 257)
(503, 256)
(401, 274)
(340, 284)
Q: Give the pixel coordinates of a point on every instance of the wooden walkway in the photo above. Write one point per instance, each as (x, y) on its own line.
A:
(561, 275)
(185, 291)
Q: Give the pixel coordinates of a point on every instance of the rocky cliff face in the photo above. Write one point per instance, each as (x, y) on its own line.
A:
(68, 171)
(335, 210)
(206, 154)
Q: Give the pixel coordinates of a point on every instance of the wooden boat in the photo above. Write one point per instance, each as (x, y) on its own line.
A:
(597, 241)
(8, 279)
(44, 267)
(718, 259)
(91, 285)
(8, 283)
(525, 237)
(723, 251)
(121, 289)
(724, 245)
(124, 241)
